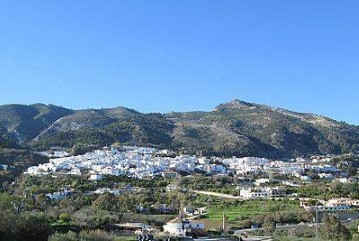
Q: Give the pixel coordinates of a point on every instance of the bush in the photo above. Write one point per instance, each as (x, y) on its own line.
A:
(70, 236)
(30, 227)
(64, 217)
(96, 235)
(333, 229)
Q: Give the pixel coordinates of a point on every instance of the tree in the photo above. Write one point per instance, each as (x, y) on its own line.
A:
(30, 227)
(334, 230)
(6, 215)
(106, 201)
(90, 218)
(5, 224)
(269, 225)
(65, 217)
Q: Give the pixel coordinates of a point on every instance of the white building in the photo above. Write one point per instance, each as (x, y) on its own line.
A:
(179, 228)
(95, 177)
(261, 181)
(328, 208)
(331, 206)
(263, 192)
(60, 194)
(171, 187)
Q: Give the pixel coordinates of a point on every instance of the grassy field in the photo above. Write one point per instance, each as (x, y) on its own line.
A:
(297, 239)
(236, 212)
(127, 238)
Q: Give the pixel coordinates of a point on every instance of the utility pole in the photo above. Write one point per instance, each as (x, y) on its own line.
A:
(316, 221)
(223, 222)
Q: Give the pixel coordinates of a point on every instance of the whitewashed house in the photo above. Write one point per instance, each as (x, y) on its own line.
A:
(179, 228)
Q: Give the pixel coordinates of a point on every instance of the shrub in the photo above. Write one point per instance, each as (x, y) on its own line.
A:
(30, 227)
(64, 217)
(96, 235)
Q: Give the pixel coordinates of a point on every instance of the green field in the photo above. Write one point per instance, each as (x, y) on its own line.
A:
(241, 210)
(298, 239)
(237, 213)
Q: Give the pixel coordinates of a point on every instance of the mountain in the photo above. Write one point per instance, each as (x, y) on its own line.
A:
(21, 123)
(242, 128)
(234, 128)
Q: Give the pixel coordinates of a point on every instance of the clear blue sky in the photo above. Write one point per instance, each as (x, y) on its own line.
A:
(177, 55)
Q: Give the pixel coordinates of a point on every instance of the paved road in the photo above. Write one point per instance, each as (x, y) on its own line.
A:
(216, 194)
(258, 238)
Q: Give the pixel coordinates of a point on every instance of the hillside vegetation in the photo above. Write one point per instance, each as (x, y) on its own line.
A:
(235, 128)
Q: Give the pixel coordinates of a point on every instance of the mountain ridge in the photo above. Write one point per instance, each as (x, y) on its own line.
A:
(233, 128)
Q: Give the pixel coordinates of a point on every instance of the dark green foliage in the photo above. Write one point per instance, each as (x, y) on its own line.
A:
(269, 225)
(334, 230)
(17, 160)
(96, 235)
(25, 122)
(96, 128)
(80, 149)
(242, 128)
(322, 190)
(106, 202)
(31, 227)
(5, 139)
(24, 226)
(92, 218)
(6, 215)
(235, 128)
(70, 138)
(153, 129)
(313, 190)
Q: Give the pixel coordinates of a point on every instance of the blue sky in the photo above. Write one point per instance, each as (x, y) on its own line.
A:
(178, 55)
